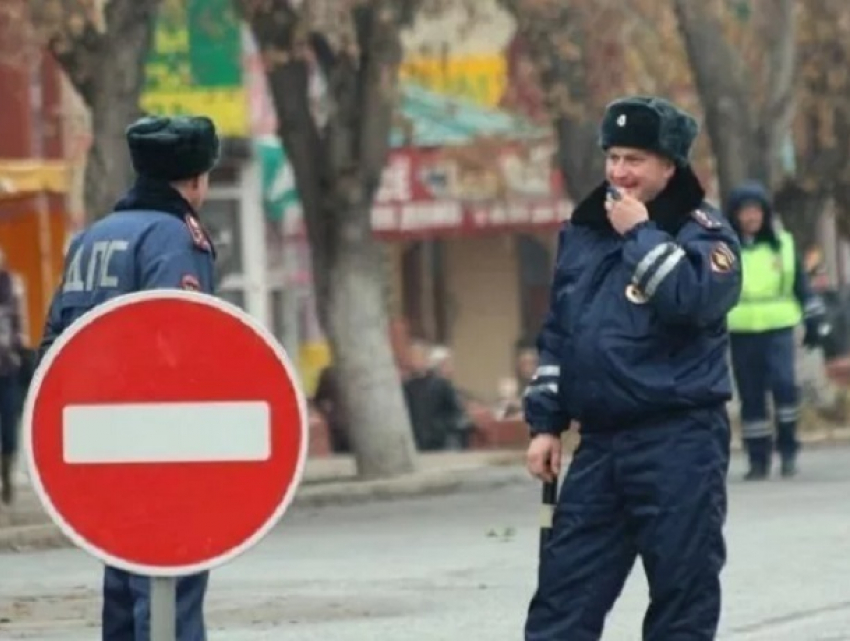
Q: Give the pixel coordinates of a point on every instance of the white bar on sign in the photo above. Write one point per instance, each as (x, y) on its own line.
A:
(167, 432)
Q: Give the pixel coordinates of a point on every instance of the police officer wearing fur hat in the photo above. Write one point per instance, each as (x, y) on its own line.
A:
(634, 350)
(153, 239)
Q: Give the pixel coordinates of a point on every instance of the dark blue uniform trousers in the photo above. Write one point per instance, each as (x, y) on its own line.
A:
(126, 606)
(658, 492)
(11, 400)
(763, 363)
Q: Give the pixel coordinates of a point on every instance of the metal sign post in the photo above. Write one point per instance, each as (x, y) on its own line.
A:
(163, 609)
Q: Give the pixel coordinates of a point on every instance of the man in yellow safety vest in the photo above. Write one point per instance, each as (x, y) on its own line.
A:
(775, 299)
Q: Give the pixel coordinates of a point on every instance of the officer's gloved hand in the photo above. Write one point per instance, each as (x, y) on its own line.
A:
(816, 329)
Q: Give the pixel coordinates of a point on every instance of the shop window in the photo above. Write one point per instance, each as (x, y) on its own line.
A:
(425, 296)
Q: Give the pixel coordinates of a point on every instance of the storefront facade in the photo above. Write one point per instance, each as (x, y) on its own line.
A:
(34, 222)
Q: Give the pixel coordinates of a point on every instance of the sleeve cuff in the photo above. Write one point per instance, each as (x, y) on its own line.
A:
(634, 231)
(556, 426)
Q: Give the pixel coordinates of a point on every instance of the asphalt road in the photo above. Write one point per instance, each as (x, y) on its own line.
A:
(462, 567)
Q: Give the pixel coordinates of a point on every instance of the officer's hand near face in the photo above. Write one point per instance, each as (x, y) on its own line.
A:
(543, 458)
(625, 212)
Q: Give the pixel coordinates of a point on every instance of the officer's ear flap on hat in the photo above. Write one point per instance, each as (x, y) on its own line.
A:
(172, 149)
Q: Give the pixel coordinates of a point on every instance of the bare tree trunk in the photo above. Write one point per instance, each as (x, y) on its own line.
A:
(337, 168)
(358, 330)
(558, 35)
(115, 101)
(580, 160)
(722, 83)
(103, 58)
(777, 112)
(748, 130)
(822, 121)
(800, 210)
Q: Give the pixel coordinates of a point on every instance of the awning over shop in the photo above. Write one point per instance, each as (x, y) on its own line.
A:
(430, 119)
(468, 190)
(20, 178)
(454, 168)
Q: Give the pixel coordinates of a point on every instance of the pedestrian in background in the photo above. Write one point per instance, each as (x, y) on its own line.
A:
(11, 389)
(435, 410)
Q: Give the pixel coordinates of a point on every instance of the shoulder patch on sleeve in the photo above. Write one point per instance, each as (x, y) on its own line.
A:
(705, 219)
(199, 236)
(722, 258)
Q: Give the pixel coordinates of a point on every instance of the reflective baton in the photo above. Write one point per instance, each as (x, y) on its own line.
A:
(549, 498)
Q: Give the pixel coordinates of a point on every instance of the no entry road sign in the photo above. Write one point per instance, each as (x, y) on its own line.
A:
(165, 432)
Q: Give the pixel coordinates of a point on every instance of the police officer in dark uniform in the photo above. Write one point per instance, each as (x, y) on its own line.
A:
(153, 239)
(634, 350)
(11, 374)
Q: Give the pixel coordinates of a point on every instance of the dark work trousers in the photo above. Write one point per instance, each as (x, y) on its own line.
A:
(658, 492)
(10, 414)
(764, 362)
(127, 604)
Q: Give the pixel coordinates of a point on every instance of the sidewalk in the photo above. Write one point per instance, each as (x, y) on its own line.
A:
(333, 481)
(326, 481)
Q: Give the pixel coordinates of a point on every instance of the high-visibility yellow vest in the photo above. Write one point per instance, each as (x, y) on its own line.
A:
(767, 293)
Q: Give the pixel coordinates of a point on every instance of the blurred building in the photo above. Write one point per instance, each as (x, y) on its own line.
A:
(467, 209)
(471, 199)
(471, 227)
(34, 176)
(469, 203)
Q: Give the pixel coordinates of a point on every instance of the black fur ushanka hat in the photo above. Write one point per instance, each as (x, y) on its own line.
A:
(650, 123)
(173, 149)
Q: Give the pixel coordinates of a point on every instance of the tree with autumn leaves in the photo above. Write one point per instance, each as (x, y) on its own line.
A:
(101, 46)
(769, 79)
(337, 159)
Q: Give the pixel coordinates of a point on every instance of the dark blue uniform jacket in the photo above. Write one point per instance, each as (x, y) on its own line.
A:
(153, 240)
(636, 330)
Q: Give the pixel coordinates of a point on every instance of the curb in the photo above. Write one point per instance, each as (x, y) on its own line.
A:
(28, 538)
(493, 472)
(421, 484)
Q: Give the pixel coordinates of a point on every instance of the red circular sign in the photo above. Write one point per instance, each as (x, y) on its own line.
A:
(166, 432)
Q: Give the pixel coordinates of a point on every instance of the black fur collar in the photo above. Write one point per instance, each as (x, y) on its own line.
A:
(669, 210)
(156, 196)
